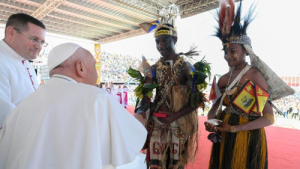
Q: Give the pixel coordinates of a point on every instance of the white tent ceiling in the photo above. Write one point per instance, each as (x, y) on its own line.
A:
(99, 20)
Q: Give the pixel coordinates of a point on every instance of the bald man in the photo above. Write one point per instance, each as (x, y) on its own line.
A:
(69, 122)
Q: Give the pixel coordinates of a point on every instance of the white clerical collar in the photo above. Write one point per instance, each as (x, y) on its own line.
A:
(13, 53)
(64, 77)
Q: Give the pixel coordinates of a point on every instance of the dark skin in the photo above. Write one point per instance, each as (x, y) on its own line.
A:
(165, 45)
(235, 57)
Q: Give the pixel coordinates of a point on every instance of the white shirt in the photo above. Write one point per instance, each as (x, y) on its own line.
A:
(15, 80)
(69, 125)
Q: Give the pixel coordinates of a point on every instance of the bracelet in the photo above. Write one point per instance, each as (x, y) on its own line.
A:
(233, 129)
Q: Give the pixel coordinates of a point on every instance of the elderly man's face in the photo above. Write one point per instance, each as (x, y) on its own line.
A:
(23, 44)
(91, 76)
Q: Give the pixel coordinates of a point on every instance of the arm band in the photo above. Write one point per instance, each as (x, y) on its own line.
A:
(233, 129)
(269, 117)
(142, 108)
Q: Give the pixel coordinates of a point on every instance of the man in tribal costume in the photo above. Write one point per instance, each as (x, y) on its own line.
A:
(240, 139)
(171, 119)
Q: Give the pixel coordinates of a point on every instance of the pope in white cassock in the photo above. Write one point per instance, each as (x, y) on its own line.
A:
(69, 123)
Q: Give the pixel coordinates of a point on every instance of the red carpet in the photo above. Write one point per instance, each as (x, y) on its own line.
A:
(283, 147)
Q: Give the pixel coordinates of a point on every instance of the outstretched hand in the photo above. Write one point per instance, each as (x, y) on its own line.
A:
(210, 127)
(224, 127)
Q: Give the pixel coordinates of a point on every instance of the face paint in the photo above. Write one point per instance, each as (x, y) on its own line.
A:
(235, 56)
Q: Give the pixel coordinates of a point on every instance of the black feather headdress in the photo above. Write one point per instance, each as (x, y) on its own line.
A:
(232, 28)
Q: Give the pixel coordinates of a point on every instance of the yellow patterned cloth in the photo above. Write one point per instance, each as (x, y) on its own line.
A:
(240, 150)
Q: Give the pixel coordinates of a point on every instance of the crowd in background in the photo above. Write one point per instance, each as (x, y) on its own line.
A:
(114, 67)
(114, 70)
(289, 106)
(118, 92)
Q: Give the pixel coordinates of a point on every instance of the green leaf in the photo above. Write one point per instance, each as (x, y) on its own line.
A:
(150, 86)
(200, 77)
(195, 99)
(202, 67)
(149, 94)
(139, 91)
(202, 86)
(137, 102)
(135, 74)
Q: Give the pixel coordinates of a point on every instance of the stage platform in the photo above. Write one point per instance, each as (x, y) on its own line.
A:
(283, 147)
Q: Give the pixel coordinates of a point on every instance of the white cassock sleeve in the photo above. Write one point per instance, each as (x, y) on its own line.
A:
(5, 96)
(75, 130)
(128, 135)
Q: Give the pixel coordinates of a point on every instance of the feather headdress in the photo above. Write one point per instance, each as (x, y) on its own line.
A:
(231, 29)
(165, 25)
(226, 16)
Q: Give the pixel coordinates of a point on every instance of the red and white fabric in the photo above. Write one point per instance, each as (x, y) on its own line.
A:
(215, 93)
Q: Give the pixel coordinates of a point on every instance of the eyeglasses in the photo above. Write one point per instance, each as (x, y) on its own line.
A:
(33, 39)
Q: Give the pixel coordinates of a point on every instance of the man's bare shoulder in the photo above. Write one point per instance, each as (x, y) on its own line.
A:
(187, 66)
